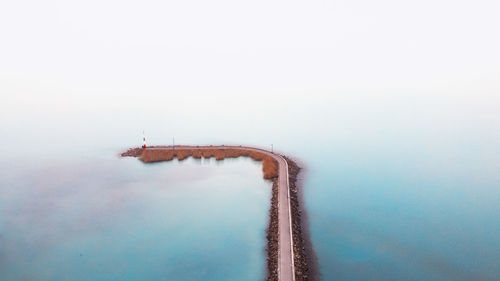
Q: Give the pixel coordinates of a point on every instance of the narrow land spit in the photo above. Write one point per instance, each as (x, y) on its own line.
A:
(283, 220)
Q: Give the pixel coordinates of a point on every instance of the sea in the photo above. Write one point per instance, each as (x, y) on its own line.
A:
(397, 186)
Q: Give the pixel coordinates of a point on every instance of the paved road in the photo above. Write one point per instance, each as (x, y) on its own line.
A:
(285, 255)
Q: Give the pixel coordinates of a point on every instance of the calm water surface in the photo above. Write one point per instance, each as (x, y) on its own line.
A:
(397, 186)
(118, 219)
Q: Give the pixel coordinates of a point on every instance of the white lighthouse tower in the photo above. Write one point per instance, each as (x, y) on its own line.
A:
(143, 140)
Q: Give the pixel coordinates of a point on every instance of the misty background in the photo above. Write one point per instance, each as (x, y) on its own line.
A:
(62, 61)
(393, 106)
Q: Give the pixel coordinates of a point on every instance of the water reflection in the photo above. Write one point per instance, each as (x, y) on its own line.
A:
(120, 219)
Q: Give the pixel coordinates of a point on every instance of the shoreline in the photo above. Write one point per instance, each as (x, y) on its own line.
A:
(303, 254)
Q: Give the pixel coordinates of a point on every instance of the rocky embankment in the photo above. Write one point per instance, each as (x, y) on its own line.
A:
(304, 256)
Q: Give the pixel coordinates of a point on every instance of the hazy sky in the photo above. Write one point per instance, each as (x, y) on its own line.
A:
(396, 84)
(72, 54)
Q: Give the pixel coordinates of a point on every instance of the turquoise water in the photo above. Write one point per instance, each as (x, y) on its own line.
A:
(385, 217)
(405, 188)
(397, 187)
(119, 219)
(392, 106)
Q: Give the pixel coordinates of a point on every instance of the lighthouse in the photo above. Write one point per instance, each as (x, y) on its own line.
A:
(143, 140)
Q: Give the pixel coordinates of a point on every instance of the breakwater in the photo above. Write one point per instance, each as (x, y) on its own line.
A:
(299, 252)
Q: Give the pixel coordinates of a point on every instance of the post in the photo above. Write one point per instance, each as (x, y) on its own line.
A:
(272, 149)
(173, 143)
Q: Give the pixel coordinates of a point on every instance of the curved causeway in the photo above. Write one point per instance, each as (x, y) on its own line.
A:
(275, 167)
